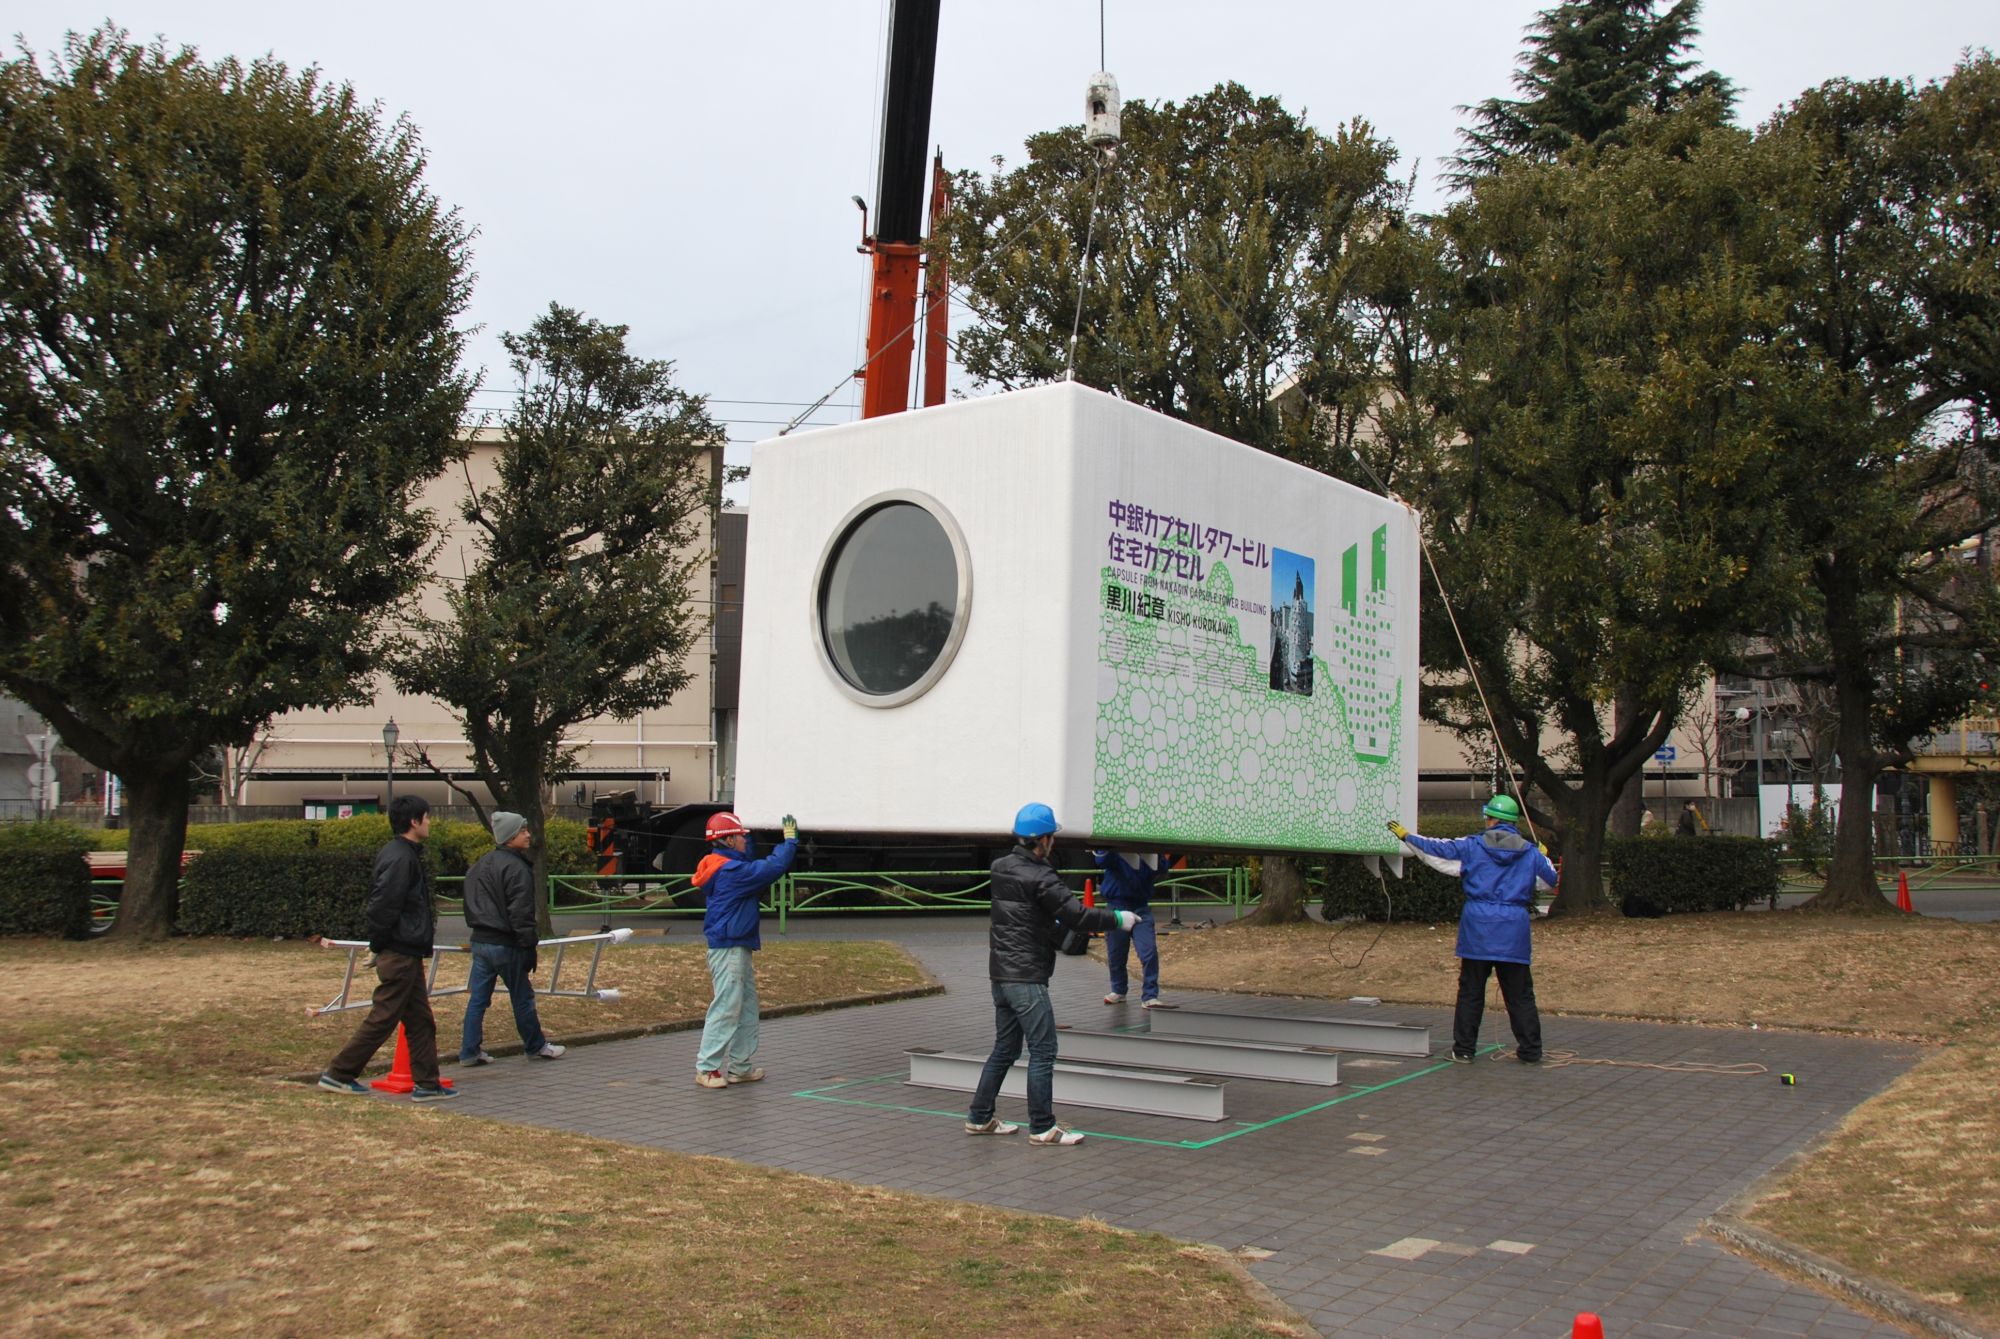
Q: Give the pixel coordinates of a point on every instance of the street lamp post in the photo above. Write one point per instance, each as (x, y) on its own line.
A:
(389, 737)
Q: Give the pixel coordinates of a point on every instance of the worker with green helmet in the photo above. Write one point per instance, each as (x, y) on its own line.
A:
(1502, 871)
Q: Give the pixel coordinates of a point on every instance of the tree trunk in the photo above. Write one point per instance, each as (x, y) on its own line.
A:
(1850, 878)
(1628, 814)
(534, 811)
(156, 808)
(1584, 815)
(1283, 890)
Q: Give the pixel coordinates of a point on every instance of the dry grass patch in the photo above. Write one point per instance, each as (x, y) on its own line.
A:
(1904, 976)
(147, 1188)
(110, 1001)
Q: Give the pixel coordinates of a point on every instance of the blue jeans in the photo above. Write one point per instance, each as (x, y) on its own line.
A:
(508, 965)
(1147, 942)
(1020, 1012)
(729, 1034)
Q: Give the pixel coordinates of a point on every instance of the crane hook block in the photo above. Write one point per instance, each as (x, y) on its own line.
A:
(1101, 106)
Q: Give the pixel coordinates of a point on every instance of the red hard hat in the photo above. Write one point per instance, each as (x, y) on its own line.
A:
(725, 825)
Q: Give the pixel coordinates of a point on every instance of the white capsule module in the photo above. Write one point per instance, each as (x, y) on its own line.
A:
(1101, 109)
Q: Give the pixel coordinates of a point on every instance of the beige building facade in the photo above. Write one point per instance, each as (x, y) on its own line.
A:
(322, 763)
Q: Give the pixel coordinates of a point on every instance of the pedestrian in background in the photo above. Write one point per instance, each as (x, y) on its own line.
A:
(1031, 906)
(402, 925)
(1129, 878)
(500, 914)
(1502, 871)
(734, 883)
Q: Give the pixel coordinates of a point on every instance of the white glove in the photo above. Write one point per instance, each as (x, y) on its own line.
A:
(1126, 919)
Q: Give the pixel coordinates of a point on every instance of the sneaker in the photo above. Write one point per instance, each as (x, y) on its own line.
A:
(711, 1078)
(432, 1092)
(333, 1085)
(1458, 1059)
(747, 1076)
(481, 1059)
(1056, 1136)
(549, 1051)
(991, 1125)
(1114, 998)
(1527, 1059)
(1154, 1003)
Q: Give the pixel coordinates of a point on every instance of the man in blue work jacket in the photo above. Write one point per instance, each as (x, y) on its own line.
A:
(734, 884)
(1502, 871)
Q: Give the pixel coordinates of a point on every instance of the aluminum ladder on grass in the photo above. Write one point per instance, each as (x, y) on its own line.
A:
(1341, 1034)
(597, 943)
(1078, 1085)
(1226, 1057)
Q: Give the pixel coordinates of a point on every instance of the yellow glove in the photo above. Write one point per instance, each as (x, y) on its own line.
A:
(791, 828)
(1543, 849)
(1397, 828)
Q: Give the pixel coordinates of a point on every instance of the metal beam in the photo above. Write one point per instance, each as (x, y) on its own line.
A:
(1342, 1034)
(1206, 1055)
(1078, 1085)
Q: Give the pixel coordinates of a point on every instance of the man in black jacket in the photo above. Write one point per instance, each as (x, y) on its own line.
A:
(402, 923)
(500, 913)
(1031, 906)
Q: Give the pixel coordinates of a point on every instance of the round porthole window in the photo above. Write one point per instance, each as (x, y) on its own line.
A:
(892, 598)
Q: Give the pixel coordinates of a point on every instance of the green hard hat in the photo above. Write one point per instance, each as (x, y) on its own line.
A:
(1503, 808)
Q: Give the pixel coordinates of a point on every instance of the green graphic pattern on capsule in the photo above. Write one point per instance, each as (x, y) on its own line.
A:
(1194, 746)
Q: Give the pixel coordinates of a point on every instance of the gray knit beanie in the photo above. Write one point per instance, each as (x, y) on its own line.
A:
(506, 826)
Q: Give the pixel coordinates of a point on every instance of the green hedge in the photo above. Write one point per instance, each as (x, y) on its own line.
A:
(44, 880)
(1660, 878)
(1422, 894)
(271, 895)
(454, 845)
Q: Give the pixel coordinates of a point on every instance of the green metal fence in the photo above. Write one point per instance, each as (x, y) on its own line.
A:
(1969, 873)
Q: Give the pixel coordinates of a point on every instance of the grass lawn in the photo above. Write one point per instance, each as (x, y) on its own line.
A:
(1908, 1188)
(152, 1183)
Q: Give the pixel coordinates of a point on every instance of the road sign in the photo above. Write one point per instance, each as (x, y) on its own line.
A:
(1665, 755)
(40, 774)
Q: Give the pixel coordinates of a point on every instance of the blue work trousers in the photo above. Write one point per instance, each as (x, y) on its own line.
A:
(509, 966)
(1143, 938)
(1021, 1012)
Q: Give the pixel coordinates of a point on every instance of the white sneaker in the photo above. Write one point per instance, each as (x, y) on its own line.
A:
(991, 1125)
(549, 1051)
(1114, 998)
(1156, 1003)
(747, 1076)
(1056, 1136)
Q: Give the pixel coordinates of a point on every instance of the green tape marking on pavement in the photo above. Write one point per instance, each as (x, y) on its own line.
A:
(1244, 1127)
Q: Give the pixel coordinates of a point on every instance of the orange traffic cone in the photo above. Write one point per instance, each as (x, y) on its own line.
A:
(1587, 1326)
(398, 1079)
(1089, 893)
(1903, 891)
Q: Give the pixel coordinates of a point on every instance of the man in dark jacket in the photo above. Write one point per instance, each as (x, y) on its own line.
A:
(402, 923)
(1502, 872)
(1031, 906)
(500, 914)
(734, 884)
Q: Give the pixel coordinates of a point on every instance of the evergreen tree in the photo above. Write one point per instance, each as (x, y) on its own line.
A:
(228, 364)
(1588, 67)
(584, 601)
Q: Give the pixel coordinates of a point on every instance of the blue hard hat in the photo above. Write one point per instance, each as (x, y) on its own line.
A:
(1035, 820)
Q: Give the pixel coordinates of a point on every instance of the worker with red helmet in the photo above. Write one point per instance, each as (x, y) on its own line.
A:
(734, 883)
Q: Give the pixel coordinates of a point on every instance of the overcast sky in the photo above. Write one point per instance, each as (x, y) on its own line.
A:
(685, 169)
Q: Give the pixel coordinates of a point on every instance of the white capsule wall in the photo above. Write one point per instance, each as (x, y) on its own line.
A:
(1174, 640)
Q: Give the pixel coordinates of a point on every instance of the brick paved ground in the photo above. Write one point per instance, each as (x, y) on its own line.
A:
(1418, 1198)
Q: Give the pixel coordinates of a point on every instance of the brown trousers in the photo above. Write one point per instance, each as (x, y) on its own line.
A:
(403, 997)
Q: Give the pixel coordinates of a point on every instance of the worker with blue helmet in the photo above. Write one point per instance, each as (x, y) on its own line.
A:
(1031, 909)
